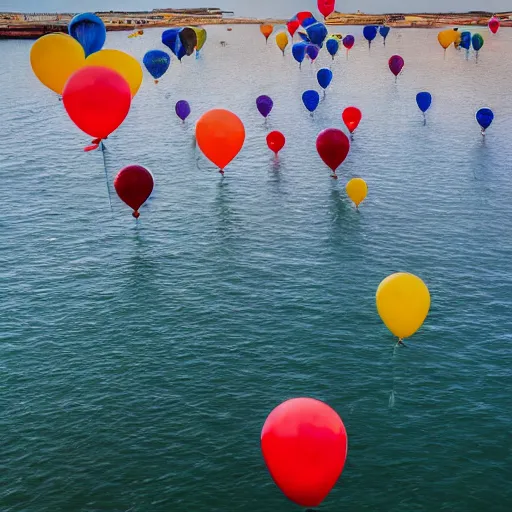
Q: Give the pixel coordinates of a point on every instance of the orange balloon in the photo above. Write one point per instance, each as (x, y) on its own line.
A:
(267, 30)
(220, 135)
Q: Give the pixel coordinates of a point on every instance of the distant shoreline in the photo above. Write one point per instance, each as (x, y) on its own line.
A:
(33, 26)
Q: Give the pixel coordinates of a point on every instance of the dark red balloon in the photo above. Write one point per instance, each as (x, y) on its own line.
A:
(304, 444)
(352, 117)
(134, 185)
(293, 26)
(333, 147)
(97, 100)
(494, 25)
(276, 141)
(396, 64)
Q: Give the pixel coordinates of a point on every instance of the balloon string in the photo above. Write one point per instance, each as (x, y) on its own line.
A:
(103, 150)
(392, 394)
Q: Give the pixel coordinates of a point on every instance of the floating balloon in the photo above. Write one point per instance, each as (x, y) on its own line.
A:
(183, 109)
(171, 39)
(384, 32)
(465, 40)
(157, 63)
(477, 41)
(311, 100)
(97, 100)
(134, 184)
(326, 7)
(494, 25)
(89, 31)
(317, 32)
(266, 30)
(446, 38)
(352, 117)
(126, 65)
(305, 15)
(54, 58)
(276, 141)
(370, 33)
(357, 190)
(348, 42)
(292, 26)
(264, 105)
(282, 41)
(333, 147)
(188, 38)
(485, 117)
(324, 77)
(333, 46)
(299, 52)
(424, 100)
(220, 135)
(396, 64)
(304, 444)
(201, 35)
(312, 52)
(403, 302)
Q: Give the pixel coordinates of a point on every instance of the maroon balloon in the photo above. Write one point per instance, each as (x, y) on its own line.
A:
(396, 64)
(264, 105)
(134, 185)
(333, 147)
(276, 141)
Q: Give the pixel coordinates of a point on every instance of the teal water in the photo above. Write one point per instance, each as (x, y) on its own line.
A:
(140, 361)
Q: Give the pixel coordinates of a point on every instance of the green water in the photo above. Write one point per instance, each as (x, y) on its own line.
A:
(139, 362)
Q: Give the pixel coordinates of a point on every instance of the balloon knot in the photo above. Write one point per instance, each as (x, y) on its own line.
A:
(156, 81)
(136, 214)
(221, 171)
(92, 147)
(334, 176)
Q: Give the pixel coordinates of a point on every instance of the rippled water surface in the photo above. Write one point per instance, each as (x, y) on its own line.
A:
(139, 361)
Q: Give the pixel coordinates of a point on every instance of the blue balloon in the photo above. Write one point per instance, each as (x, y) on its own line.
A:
(157, 63)
(89, 31)
(311, 100)
(304, 37)
(324, 77)
(465, 40)
(171, 39)
(299, 52)
(370, 33)
(308, 22)
(317, 33)
(333, 46)
(384, 32)
(424, 100)
(485, 117)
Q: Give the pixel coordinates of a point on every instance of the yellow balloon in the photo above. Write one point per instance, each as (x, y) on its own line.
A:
(446, 38)
(126, 65)
(201, 37)
(403, 302)
(357, 190)
(54, 58)
(282, 41)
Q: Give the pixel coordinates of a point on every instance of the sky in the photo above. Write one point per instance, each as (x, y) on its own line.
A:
(256, 8)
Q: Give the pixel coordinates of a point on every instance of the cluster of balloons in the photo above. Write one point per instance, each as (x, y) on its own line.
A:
(464, 40)
(370, 33)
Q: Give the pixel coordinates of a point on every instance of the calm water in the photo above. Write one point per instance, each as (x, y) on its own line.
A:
(139, 362)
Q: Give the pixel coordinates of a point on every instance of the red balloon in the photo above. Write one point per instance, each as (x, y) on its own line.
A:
(326, 7)
(494, 25)
(97, 100)
(352, 117)
(293, 26)
(134, 185)
(276, 141)
(333, 147)
(301, 16)
(304, 444)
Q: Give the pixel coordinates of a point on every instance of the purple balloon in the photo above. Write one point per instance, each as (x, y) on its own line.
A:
(183, 109)
(312, 51)
(396, 64)
(265, 105)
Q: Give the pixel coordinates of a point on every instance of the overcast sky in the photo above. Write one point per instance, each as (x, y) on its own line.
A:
(256, 8)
